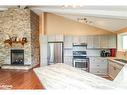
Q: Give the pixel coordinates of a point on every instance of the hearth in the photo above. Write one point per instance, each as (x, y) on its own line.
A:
(17, 57)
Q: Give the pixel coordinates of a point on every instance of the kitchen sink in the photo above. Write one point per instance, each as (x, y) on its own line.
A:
(121, 60)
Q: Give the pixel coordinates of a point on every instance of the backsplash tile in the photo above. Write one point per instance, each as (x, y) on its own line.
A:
(122, 55)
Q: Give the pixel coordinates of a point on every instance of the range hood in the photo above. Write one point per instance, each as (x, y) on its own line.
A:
(79, 44)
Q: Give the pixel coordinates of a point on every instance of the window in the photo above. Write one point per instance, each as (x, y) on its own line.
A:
(124, 42)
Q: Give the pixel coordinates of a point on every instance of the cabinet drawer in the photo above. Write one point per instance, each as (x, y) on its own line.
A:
(98, 65)
(98, 71)
(117, 65)
(113, 71)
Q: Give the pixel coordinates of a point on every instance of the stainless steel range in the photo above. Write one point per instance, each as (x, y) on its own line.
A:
(80, 59)
(82, 63)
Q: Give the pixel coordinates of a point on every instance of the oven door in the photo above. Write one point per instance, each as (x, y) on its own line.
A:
(83, 65)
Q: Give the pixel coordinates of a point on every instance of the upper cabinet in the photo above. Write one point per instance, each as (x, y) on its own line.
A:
(101, 41)
(83, 39)
(89, 41)
(104, 41)
(93, 41)
(76, 39)
(55, 38)
(68, 40)
(96, 41)
(108, 41)
(112, 41)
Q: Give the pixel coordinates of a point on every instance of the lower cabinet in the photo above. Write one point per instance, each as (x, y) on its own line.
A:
(99, 71)
(98, 66)
(44, 62)
(113, 69)
(68, 60)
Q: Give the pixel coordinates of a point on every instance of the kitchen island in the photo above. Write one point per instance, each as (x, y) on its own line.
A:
(62, 76)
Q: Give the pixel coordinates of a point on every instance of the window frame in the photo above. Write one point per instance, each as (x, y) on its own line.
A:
(123, 42)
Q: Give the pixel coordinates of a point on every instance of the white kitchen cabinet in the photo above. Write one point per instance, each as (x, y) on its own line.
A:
(96, 41)
(93, 41)
(108, 41)
(44, 47)
(89, 41)
(113, 69)
(104, 41)
(112, 41)
(44, 62)
(44, 39)
(68, 40)
(59, 38)
(43, 50)
(68, 60)
(99, 71)
(83, 39)
(98, 66)
(55, 38)
(76, 39)
(51, 38)
(68, 52)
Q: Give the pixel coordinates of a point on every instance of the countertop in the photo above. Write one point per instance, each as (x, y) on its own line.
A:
(62, 76)
(112, 59)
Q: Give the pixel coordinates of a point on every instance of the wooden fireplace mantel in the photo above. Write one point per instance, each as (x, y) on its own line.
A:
(16, 42)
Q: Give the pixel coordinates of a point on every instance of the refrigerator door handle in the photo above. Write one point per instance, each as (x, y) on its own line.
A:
(48, 55)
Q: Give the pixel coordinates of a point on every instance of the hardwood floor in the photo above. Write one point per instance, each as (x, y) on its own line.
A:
(19, 79)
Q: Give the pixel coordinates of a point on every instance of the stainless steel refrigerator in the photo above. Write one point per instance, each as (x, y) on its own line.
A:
(55, 52)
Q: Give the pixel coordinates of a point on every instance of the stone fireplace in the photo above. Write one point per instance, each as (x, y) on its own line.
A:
(17, 57)
(19, 23)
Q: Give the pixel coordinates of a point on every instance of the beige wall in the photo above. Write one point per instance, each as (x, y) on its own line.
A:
(124, 30)
(54, 24)
(41, 23)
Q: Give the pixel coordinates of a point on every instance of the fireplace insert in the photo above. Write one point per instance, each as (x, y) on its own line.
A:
(17, 57)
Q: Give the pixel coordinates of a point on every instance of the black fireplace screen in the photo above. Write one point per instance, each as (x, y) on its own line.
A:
(17, 57)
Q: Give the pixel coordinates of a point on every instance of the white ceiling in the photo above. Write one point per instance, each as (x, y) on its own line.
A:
(104, 23)
(111, 18)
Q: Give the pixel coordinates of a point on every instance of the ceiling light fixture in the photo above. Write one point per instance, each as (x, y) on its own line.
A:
(71, 6)
(84, 20)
